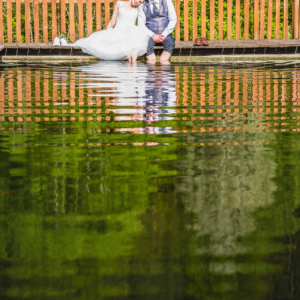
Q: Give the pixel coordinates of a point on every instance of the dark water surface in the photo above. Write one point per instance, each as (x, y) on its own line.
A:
(149, 182)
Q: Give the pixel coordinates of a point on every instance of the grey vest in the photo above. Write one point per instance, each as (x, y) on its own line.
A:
(156, 23)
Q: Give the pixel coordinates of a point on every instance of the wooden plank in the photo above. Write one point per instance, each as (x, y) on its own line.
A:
(212, 20)
(296, 19)
(256, 18)
(9, 21)
(98, 15)
(89, 18)
(54, 20)
(195, 19)
(1, 22)
(270, 17)
(186, 20)
(277, 19)
(63, 16)
(72, 21)
(285, 19)
(220, 4)
(27, 21)
(36, 20)
(107, 12)
(203, 18)
(262, 19)
(177, 27)
(246, 20)
(229, 19)
(18, 21)
(45, 21)
(238, 20)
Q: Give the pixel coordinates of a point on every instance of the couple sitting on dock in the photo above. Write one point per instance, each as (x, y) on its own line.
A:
(124, 40)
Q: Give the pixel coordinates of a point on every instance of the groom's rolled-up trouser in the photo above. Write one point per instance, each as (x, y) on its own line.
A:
(168, 43)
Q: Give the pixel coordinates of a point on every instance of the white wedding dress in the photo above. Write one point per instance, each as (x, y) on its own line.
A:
(117, 43)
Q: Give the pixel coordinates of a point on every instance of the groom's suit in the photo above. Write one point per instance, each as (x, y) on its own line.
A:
(159, 17)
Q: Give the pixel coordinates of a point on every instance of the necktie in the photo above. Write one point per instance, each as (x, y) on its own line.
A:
(155, 8)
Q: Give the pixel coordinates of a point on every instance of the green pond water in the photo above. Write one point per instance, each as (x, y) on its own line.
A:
(149, 182)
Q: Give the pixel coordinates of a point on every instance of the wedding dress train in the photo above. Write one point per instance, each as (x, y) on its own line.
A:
(117, 43)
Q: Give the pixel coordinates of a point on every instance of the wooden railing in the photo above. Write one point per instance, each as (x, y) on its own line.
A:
(42, 20)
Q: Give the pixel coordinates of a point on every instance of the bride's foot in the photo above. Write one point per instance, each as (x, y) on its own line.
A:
(133, 58)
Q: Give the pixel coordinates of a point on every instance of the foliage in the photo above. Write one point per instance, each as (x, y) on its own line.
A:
(190, 19)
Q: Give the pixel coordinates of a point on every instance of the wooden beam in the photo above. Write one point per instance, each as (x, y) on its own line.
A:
(229, 19)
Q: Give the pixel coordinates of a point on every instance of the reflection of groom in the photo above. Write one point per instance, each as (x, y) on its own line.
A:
(160, 18)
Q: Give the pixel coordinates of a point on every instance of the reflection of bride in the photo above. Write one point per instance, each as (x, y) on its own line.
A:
(122, 39)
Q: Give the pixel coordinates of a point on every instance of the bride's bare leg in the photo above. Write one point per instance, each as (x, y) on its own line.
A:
(129, 59)
(133, 58)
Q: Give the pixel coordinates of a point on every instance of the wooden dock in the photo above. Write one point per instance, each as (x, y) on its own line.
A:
(234, 47)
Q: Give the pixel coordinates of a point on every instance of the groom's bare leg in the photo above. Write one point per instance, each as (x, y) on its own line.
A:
(151, 59)
(165, 58)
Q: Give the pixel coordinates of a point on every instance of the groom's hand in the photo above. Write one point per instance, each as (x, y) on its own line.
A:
(156, 38)
(162, 37)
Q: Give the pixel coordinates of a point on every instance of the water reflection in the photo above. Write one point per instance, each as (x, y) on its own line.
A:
(89, 211)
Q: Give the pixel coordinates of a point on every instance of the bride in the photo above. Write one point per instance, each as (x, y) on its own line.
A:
(121, 40)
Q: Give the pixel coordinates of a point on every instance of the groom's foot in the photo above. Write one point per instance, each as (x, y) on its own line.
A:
(165, 58)
(151, 59)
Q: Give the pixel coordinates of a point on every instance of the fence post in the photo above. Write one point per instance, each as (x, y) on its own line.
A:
(270, 12)
(212, 20)
(177, 28)
(238, 20)
(36, 19)
(1, 22)
(195, 19)
(45, 21)
(262, 20)
(220, 7)
(229, 19)
(285, 19)
(203, 18)
(295, 10)
(186, 20)
(27, 21)
(18, 21)
(256, 18)
(54, 19)
(9, 21)
(246, 20)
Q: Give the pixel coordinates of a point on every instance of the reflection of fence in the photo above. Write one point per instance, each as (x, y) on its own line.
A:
(41, 20)
(208, 100)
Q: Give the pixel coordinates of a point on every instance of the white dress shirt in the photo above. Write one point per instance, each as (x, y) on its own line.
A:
(171, 15)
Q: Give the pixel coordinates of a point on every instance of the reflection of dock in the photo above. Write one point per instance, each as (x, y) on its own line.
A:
(237, 47)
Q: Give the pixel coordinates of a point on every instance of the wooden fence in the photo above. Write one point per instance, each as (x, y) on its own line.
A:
(42, 20)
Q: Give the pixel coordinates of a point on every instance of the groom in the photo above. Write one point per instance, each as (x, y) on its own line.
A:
(160, 18)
